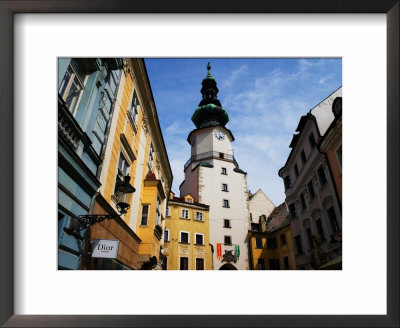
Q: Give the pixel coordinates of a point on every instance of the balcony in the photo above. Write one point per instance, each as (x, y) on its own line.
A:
(211, 155)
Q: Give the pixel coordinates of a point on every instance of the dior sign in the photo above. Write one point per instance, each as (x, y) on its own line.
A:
(105, 248)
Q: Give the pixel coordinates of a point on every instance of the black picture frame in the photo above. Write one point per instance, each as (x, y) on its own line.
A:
(7, 193)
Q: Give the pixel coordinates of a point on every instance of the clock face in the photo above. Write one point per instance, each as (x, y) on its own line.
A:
(219, 135)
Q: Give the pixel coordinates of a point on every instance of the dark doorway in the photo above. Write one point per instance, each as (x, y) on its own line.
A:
(228, 266)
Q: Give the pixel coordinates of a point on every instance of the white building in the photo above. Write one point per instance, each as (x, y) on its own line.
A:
(213, 177)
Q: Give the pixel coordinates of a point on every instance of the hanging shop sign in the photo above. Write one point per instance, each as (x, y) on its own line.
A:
(105, 248)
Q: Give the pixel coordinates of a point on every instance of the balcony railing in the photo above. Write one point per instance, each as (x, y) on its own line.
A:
(210, 155)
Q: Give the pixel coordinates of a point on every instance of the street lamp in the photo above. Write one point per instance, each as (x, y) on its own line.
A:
(123, 188)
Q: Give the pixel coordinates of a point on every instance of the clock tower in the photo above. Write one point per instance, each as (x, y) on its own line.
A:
(213, 177)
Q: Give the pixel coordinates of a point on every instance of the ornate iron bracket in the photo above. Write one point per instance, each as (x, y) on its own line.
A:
(85, 221)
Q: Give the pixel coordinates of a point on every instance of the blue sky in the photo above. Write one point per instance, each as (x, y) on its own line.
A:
(264, 99)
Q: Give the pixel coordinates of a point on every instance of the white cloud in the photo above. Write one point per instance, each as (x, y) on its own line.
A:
(242, 70)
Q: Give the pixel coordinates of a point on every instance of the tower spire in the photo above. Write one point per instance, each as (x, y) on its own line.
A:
(208, 70)
(210, 111)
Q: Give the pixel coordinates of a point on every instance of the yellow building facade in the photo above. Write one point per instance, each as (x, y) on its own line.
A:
(135, 147)
(186, 236)
(271, 242)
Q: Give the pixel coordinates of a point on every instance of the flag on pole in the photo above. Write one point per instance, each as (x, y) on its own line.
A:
(237, 251)
(219, 251)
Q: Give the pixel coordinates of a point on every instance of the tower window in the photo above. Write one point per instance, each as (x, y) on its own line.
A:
(227, 223)
(227, 240)
(224, 187)
(223, 171)
(225, 203)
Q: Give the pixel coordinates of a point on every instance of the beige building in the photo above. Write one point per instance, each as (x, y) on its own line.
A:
(311, 196)
(259, 204)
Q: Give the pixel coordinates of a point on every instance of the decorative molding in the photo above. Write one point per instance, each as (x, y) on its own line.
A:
(145, 124)
(128, 68)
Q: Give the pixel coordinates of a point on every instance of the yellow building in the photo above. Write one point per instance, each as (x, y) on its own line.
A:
(135, 148)
(271, 242)
(186, 236)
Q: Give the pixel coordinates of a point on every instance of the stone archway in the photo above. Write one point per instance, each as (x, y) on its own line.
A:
(228, 266)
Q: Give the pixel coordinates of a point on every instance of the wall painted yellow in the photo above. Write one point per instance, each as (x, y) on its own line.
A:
(174, 249)
(140, 136)
(281, 250)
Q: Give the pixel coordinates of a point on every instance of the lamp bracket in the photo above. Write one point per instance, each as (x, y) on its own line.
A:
(85, 221)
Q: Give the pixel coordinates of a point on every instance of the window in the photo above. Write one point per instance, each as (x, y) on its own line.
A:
(259, 243)
(274, 264)
(227, 240)
(333, 220)
(184, 237)
(168, 211)
(158, 211)
(302, 202)
(321, 176)
(199, 264)
(311, 140)
(188, 200)
(134, 109)
(298, 245)
(123, 168)
(101, 123)
(221, 155)
(311, 191)
(303, 157)
(283, 239)
(339, 155)
(150, 158)
(320, 230)
(185, 214)
(260, 264)
(224, 187)
(292, 211)
(296, 170)
(166, 235)
(72, 85)
(309, 238)
(287, 182)
(199, 239)
(198, 216)
(286, 262)
(184, 263)
(225, 203)
(227, 223)
(223, 171)
(271, 242)
(145, 215)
